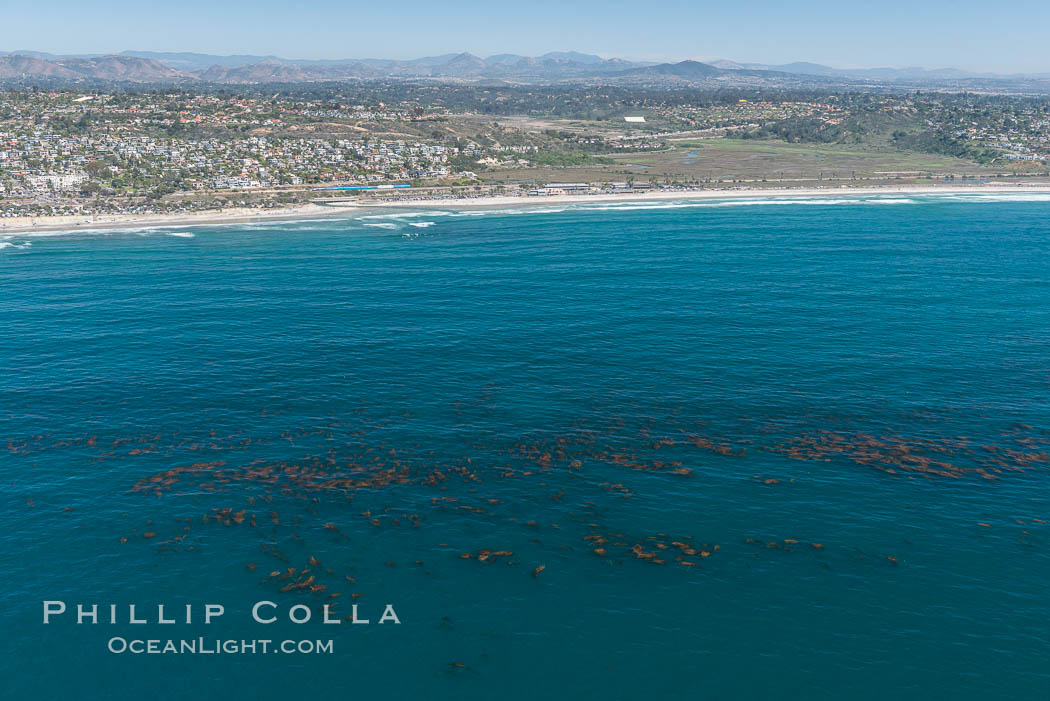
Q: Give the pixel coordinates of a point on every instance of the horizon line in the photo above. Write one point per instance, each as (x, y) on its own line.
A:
(709, 61)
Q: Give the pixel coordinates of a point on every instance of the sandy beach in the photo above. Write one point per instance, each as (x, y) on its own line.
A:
(139, 221)
(15, 225)
(737, 193)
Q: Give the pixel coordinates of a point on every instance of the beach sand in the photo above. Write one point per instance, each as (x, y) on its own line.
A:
(140, 221)
(763, 193)
(227, 216)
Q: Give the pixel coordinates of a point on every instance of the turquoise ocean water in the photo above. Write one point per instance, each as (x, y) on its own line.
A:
(748, 450)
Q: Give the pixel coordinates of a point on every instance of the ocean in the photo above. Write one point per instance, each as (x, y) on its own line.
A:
(757, 449)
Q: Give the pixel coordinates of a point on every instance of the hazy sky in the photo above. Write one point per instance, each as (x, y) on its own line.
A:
(969, 34)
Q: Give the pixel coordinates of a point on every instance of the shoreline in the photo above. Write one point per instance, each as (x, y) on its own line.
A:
(727, 194)
(74, 223)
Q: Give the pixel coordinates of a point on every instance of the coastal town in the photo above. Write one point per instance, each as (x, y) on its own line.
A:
(72, 153)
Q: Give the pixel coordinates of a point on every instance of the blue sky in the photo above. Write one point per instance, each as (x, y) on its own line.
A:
(933, 33)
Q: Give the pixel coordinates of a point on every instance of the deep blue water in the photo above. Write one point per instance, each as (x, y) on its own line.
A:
(606, 391)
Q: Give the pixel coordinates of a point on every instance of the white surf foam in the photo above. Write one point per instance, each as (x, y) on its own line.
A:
(998, 197)
(407, 215)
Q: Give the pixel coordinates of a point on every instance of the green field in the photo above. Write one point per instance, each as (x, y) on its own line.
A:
(757, 161)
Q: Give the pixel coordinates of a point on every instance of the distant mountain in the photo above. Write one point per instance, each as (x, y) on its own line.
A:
(267, 70)
(802, 68)
(433, 60)
(19, 65)
(555, 66)
(120, 68)
(462, 65)
(687, 70)
(157, 66)
(45, 55)
(188, 61)
(575, 56)
(727, 65)
(275, 70)
(111, 68)
(552, 67)
(503, 59)
(888, 74)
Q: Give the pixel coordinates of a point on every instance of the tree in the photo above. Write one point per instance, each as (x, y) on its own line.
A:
(97, 169)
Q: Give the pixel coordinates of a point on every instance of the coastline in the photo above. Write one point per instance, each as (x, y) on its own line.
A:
(72, 224)
(727, 194)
